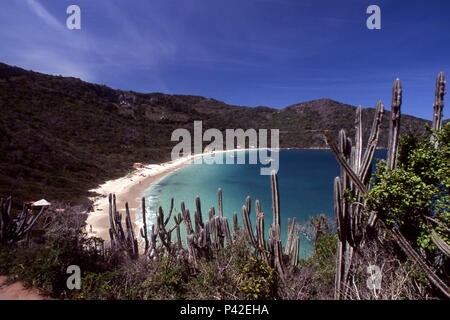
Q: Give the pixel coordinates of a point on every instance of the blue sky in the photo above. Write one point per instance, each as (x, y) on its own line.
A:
(247, 52)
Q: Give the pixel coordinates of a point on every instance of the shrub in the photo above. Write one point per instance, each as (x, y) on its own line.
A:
(417, 190)
(257, 280)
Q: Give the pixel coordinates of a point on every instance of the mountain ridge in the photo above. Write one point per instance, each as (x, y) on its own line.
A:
(61, 136)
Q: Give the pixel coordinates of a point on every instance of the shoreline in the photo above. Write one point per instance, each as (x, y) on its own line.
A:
(131, 188)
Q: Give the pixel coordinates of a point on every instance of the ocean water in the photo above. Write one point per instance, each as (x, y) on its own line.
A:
(305, 179)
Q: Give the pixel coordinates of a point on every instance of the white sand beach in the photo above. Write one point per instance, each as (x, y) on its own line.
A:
(131, 188)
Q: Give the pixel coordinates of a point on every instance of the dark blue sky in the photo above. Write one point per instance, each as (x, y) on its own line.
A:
(246, 52)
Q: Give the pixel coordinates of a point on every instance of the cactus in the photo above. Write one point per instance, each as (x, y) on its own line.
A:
(220, 232)
(12, 231)
(354, 178)
(438, 105)
(260, 226)
(418, 260)
(198, 216)
(235, 224)
(219, 194)
(128, 242)
(248, 226)
(358, 140)
(115, 223)
(166, 235)
(131, 240)
(143, 230)
(211, 213)
(342, 154)
(290, 239)
(366, 162)
(226, 231)
(275, 233)
(440, 243)
(295, 251)
(178, 219)
(153, 237)
(355, 169)
(170, 212)
(212, 228)
(186, 219)
(394, 128)
(208, 235)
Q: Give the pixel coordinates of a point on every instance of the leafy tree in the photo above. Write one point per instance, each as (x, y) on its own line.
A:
(415, 196)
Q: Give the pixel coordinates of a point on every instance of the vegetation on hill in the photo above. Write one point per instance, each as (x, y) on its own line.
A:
(390, 240)
(60, 137)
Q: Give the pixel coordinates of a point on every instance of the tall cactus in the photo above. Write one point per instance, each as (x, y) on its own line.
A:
(275, 230)
(348, 215)
(219, 195)
(439, 101)
(205, 237)
(355, 169)
(366, 163)
(438, 105)
(295, 251)
(248, 225)
(124, 240)
(290, 238)
(11, 231)
(394, 129)
(260, 230)
(143, 230)
(132, 243)
(198, 219)
(178, 219)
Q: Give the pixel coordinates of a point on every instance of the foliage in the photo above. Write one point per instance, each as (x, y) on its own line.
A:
(167, 281)
(417, 190)
(257, 279)
(99, 286)
(324, 256)
(60, 137)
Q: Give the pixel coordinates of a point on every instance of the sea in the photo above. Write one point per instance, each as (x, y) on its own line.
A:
(305, 179)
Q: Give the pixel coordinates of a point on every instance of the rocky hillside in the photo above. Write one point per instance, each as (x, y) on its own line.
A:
(60, 137)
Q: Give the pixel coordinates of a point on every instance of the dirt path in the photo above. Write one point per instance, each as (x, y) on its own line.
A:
(17, 291)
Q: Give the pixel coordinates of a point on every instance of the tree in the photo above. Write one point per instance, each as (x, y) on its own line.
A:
(415, 196)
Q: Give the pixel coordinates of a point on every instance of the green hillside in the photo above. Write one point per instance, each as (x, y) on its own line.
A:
(60, 137)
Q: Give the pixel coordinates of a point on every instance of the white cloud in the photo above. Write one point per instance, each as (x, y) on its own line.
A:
(43, 13)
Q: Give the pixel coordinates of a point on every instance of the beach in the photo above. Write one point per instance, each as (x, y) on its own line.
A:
(131, 188)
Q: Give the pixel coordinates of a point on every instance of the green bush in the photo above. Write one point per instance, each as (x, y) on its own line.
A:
(167, 282)
(257, 280)
(417, 189)
(99, 286)
(325, 257)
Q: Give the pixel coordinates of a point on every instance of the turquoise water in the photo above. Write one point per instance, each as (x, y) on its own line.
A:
(305, 179)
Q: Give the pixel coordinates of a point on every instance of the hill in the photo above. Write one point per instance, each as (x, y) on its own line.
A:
(60, 137)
